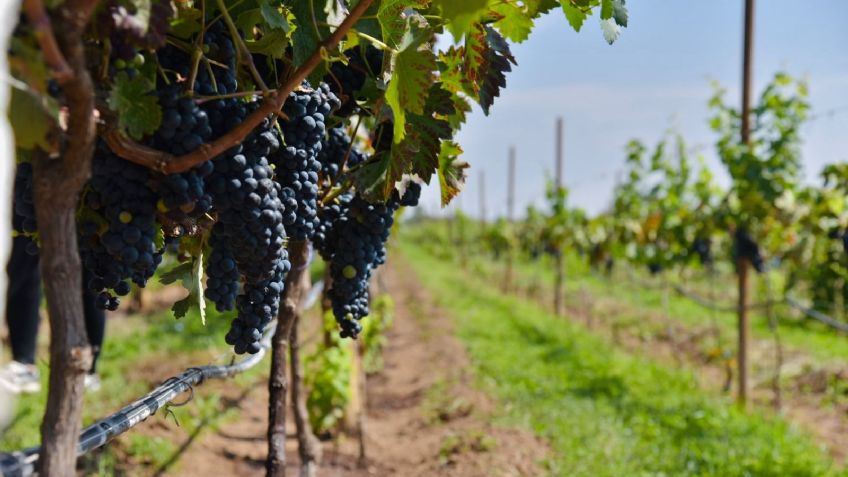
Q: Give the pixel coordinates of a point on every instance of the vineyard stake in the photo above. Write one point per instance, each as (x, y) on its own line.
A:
(743, 263)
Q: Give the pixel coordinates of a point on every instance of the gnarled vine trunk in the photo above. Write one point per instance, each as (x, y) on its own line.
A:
(58, 182)
(308, 446)
(278, 381)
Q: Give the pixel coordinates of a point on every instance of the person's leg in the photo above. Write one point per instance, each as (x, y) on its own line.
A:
(23, 300)
(95, 321)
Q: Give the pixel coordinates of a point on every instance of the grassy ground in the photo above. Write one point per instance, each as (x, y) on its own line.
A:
(137, 354)
(604, 411)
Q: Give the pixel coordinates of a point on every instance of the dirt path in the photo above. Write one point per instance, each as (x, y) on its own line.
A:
(425, 417)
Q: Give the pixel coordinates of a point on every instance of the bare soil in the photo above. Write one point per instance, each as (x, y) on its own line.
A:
(425, 416)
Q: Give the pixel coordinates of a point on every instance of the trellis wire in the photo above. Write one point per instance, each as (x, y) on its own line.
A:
(22, 463)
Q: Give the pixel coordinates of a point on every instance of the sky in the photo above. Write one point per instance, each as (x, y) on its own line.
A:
(655, 77)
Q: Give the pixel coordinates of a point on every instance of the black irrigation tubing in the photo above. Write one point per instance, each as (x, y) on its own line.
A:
(22, 463)
(817, 315)
(718, 307)
(805, 310)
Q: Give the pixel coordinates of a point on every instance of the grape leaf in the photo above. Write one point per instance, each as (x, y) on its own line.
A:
(370, 178)
(461, 15)
(611, 30)
(451, 69)
(498, 59)
(393, 24)
(418, 153)
(515, 24)
(138, 111)
(190, 274)
(30, 121)
(273, 17)
(619, 13)
(536, 8)
(411, 78)
(607, 9)
(272, 44)
(312, 29)
(574, 15)
(187, 22)
(451, 171)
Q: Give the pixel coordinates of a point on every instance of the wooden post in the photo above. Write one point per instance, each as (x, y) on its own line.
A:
(483, 198)
(510, 197)
(510, 215)
(744, 264)
(559, 273)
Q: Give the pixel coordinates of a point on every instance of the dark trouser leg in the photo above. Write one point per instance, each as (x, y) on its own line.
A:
(23, 300)
(95, 321)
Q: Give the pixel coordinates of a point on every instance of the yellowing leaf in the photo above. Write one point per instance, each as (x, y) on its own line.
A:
(411, 79)
(452, 172)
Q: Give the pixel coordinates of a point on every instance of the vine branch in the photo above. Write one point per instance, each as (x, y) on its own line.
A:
(37, 16)
(169, 164)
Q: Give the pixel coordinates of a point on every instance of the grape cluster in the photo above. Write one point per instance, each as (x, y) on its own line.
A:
(185, 127)
(346, 80)
(336, 153)
(249, 232)
(355, 245)
(118, 228)
(702, 247)
(222, 282)
(257, 306)
(411, 195)
(745, 246)
(328, 217)
(23, 218)
(296, 163)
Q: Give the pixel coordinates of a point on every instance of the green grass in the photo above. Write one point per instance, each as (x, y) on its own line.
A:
(605, 412)
(128, 343)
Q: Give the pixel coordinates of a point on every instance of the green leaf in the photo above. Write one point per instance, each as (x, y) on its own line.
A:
(247, 21)
(187, 23)
(369, 179)
(607, 9)
(272, 44)
(516, 23)
(138, 111)
(190, 274)
(418, 153)
(619, 12)
(451, 69)
(451, 171)
(574, 15)
(461, 15)
(392, 22)
(30, 121)
(311, 28)
(536, 8)
(411, 79)
(180, 272)
(273, 17)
